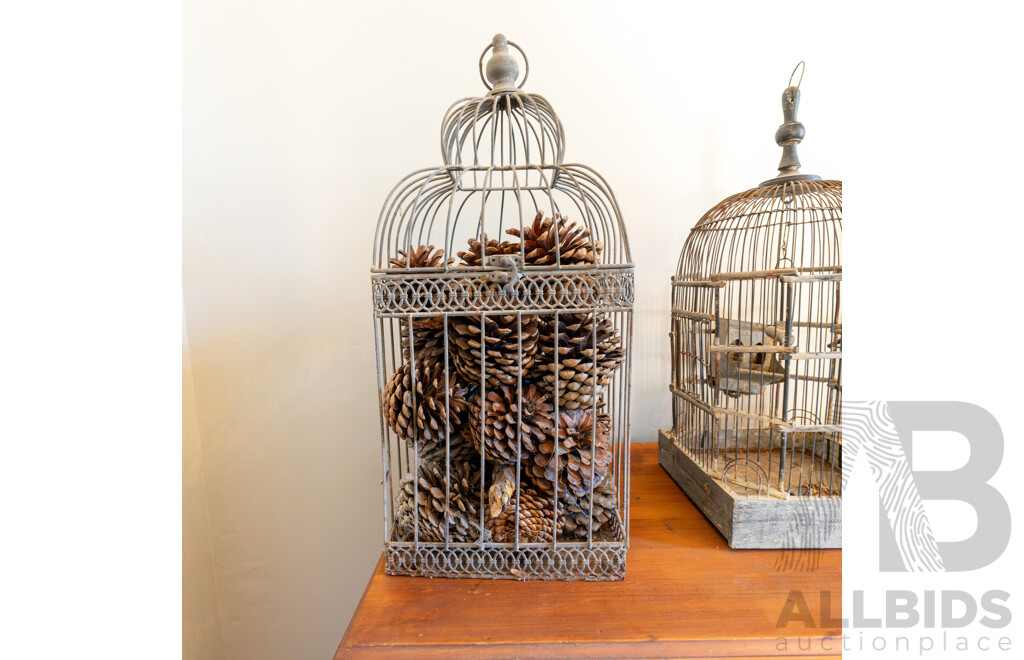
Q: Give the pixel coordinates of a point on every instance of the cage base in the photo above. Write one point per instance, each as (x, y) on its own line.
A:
(604, 562)
(754, 522)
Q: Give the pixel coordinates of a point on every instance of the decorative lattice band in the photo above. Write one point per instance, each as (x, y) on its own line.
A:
(601, 563)
(436, 294)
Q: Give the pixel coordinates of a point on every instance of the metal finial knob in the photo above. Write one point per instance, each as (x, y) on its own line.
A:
(790, 134)
(502, 69)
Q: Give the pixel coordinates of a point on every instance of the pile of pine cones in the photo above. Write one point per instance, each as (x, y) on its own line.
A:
(474, 394)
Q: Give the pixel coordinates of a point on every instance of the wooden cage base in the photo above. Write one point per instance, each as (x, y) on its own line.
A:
(750, 521)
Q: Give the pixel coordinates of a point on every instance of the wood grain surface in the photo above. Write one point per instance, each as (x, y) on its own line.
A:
(686, 594)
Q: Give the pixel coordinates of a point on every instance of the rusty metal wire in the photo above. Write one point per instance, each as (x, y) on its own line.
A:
(503, 164)
(757, 334)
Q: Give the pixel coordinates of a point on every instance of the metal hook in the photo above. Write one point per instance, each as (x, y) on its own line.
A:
(803, 67)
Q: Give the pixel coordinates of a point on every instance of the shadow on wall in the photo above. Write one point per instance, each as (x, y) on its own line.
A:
(286, 456)
(200, 615)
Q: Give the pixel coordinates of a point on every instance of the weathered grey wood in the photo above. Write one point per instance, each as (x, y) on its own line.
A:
(710, 498)
(752, 522)
(799, 522)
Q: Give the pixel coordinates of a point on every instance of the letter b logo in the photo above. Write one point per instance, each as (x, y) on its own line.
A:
(882, 431)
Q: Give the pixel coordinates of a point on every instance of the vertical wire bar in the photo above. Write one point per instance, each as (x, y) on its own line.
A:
(625, 425)
(447, 439)
(483, 415)
(389, 495)
(709, 458)
(519, 419)
(785, 385)
(404, 447)
(558, 427)
(614, 407)
(415, 442)
(596, 427)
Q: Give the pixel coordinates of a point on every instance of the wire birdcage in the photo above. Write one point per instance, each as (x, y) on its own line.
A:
(503, 294)
(757, 358)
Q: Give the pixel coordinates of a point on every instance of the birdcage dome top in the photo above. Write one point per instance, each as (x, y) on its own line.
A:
(507, 126)
(754, 206)
(796, 225)
(503, 190)
(791, 222)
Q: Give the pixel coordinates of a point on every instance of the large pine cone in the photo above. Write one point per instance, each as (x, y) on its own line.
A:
(578, 381)
(423, 419)
(576, 513)
(583, 447)
(545, 244)
(503, 413)
(535, 519)
(461, 516)
(477, 251)
(502, 335)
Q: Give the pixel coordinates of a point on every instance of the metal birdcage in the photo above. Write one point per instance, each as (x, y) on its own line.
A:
(503, 295)
(756, 438)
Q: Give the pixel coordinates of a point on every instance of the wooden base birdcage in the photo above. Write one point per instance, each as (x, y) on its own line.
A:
(756, 335)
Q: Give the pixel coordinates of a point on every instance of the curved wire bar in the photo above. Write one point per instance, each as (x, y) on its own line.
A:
(503, 195)
(502, 129)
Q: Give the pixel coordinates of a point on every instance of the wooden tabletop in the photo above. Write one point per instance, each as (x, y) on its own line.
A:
(686, 594)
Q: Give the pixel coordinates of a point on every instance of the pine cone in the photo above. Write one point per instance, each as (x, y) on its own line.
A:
(503, 486)
(578, 381)
(421, 256)
(502, 410)
(429, 330)
(535, 519)
(582, 448)
(576, 513)
(428, 337)
(424, 418)
(461, 516)
(502, 337)
(543, 242)
(477, 251)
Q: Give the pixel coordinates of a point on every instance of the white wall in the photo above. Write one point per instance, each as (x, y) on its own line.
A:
(300, 116)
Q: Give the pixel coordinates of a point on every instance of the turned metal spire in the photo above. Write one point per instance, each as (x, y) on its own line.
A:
(790, 134)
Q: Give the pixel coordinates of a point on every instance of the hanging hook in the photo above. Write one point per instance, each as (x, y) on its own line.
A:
(803, 67)
(790, 133)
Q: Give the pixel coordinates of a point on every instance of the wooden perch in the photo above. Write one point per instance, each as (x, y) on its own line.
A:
(732, 348)
(695, 316)
(773, 273)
